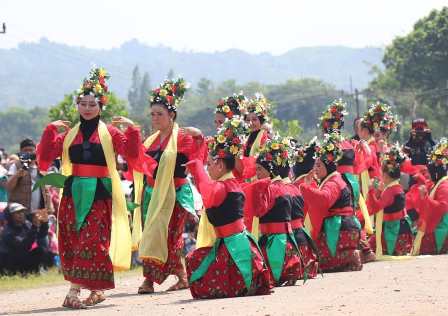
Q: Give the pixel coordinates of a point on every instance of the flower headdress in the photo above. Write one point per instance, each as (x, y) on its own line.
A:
(258, 105)
(439, 154)
(393, 159)
(332, 118)
(275, 154)
(380, 117)
(230, 106)
(228, 142)
(95, 85)
(303, 157)
(329, 150)
(169, 94)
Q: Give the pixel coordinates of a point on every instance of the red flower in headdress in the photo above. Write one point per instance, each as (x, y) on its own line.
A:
(228, 133)
(330, 157)
(268, 157)
(229, 114)
(169, 98)
(174, 88)
(236, 140)
(221, 153)
(103, 99)
(285, 154)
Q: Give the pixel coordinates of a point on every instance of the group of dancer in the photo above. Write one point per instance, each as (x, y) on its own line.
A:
(275, 210)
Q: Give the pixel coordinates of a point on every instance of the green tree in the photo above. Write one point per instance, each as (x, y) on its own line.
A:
(66, 109)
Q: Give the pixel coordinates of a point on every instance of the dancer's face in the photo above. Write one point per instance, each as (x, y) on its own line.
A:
(219, 119)
(161, 118)
(216, 168)
(319, 169)
(262, 173)
(254, 122)
(88, 108)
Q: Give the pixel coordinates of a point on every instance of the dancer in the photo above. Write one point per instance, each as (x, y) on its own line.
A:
(165, 194)
(94, 235)
(393, 226)
(334, 224)
(227, 261)
(432, 236)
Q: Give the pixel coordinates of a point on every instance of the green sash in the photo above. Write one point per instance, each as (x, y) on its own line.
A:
(441, 232)
(332, 227)
(238, 246)
(83, 194)
(354, 184)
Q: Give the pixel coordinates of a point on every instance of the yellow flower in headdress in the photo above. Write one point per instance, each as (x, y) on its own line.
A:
(259, 109)
(226, 109)
(98, 88)
(235, 123)
(275, 146)
(163, 92)
(234, 149)
(438, 152)
(330, 147)
(335, 125)
(285, 141)
(221, 139)
(102, 72)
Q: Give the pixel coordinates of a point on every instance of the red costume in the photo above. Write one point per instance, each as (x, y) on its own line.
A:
(84, 252)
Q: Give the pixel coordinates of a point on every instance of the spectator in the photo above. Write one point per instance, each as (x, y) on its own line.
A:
(420, 142)
(3, 181)
(23, 245)
(23, 174)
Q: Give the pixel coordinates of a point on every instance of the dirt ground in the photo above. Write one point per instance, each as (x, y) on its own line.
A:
(417, 286)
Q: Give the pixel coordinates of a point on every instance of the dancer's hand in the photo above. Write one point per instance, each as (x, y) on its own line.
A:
(193, 131)
(423, 191)
(61, 125)
(121, 121)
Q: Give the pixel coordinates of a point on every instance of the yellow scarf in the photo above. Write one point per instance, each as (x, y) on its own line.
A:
(256, 145)
(153, 239)
(421, 232)
(206, 232)
(120, 243)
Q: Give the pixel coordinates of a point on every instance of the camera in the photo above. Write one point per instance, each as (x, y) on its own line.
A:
(26, 159)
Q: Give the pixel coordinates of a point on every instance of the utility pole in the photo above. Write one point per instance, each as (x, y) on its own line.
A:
(357, 102)
(3, 31)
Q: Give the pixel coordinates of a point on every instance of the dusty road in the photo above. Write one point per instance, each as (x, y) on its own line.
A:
(412, 287)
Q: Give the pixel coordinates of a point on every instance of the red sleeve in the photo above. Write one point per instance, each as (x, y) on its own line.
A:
(50, 147)
(319, 201)
(129, 145)
(432, 210)
(213, 192)
(192, 147)
(258, 197)
(244, 168)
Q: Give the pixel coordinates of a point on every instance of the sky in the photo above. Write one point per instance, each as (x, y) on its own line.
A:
(255, 26)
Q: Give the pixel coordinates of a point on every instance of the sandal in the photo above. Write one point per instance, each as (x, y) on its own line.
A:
(147, 287)
(94, 298)
(181, 284)
(356, 263)
(72, 300)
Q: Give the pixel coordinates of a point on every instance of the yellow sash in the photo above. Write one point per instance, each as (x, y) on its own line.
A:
(379, 231)
(206, 232)
(256, 145)
(120, 243)
(421, 232)
(153, 243)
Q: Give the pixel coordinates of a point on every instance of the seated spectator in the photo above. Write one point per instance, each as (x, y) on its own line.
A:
(24, 244)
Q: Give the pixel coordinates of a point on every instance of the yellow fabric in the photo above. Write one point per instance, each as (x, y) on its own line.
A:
(421, 233)
(153, 244)
(365, 183)
(379, 231)
(120, 243)
(365, 214)
(256, 145)
(206, 232)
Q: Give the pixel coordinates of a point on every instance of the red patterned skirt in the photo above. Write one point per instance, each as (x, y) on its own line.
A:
(347, 245)
(402, 247)
(223, 278)
(428, 246)
(310, 261)
(158, 272)
(292, 266)
(85, 254)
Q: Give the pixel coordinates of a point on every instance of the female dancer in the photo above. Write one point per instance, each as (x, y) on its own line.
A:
(94, 235)
(165, 194)
(334, 226)
(227, 262)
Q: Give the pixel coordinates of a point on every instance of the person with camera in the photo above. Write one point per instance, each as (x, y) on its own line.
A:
(21, 247)
(22, 176)
(420, 142)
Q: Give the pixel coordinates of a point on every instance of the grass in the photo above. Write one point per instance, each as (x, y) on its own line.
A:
(52, 277)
